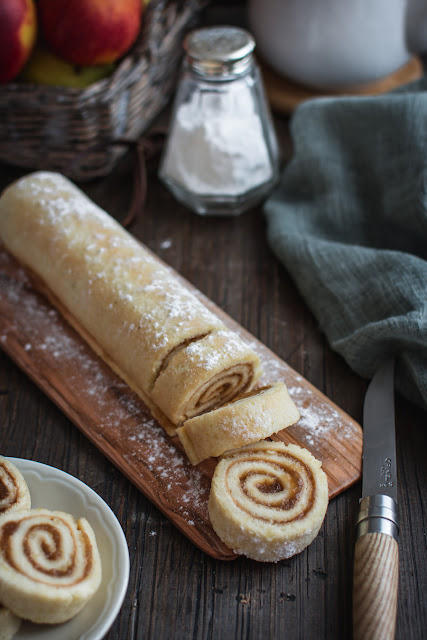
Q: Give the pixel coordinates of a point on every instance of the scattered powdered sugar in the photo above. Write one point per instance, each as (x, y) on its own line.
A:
(224, 342)
(261, 425)
(59, 200)
(184, 486)
(319, 420)
(137, 281)
(115, 413)
(176, 303)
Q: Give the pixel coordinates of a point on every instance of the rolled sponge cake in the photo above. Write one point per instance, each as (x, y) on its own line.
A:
(14, 492)
(131, 307)
(14, 495)
(49, 564)
(248, 418)
(268, 500)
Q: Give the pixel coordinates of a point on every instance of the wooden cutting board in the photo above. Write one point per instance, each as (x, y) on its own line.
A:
(113, 417)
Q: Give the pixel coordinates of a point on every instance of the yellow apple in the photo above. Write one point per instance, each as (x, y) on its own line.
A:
(44, 67)
(18, 32)
(90, 32)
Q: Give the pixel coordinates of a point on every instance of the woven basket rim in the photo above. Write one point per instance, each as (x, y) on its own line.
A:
(44, 126)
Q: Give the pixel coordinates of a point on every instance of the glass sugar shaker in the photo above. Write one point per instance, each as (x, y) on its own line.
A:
(221, 155)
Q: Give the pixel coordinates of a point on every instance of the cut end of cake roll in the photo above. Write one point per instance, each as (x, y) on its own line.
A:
(9, 624)
(14, 492)
(142, 319)
(49, 564)
(248, 418)
(206, 374)
(268, 500)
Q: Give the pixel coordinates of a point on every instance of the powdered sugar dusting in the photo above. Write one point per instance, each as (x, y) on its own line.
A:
(318, 421)
(120, 416)
(169, 466)
(139, 282)
(225, 343)
(106, 407)
(48, 191)
(249, 431)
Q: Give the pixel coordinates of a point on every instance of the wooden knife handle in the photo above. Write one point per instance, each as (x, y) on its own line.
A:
(375, 582)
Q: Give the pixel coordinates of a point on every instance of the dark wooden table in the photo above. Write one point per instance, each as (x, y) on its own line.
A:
(175, 590)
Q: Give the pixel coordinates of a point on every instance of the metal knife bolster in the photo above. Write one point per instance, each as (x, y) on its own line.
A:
(377, 514)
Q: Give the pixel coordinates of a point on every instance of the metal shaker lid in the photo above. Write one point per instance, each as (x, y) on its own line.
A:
(217, 51)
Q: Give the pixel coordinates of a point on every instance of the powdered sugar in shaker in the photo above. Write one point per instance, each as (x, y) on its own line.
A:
(221, 155)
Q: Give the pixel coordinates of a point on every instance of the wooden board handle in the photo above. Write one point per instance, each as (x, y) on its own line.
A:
(375, 581)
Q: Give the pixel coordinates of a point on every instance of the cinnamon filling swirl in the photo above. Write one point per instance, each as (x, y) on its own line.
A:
(49, 564)
(14, 493)
(288, 488)
(249, 417)
(222, 388)
(204, 375)
(268, 500)
(132, 309)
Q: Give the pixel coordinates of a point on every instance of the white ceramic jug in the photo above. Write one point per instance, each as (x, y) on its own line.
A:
(333, 43)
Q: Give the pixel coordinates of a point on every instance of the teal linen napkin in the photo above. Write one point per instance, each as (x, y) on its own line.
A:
(349, 222)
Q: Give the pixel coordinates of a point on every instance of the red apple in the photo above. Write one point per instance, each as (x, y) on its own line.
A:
(18, 31)
(90, 32)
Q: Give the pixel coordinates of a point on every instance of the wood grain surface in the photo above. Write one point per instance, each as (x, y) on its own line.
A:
(176, 591)
(375, 588)
(39, 339)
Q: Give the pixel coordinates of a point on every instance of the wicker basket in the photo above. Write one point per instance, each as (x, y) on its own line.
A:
(43, 127)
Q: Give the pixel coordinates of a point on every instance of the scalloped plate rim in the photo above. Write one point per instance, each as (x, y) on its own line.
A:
(109, 533)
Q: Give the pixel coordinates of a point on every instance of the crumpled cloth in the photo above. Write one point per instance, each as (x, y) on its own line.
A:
(349, 222)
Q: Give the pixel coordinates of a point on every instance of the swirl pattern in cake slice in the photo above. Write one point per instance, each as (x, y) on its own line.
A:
(49, 564)
(268, 500)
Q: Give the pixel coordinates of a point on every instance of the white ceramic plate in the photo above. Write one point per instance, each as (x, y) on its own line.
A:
(55, 489)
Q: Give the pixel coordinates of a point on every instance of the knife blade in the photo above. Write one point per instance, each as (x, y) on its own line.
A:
(376, 556)
(379, 443)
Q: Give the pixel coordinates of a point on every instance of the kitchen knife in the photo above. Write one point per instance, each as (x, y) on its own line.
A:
(376, 558)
